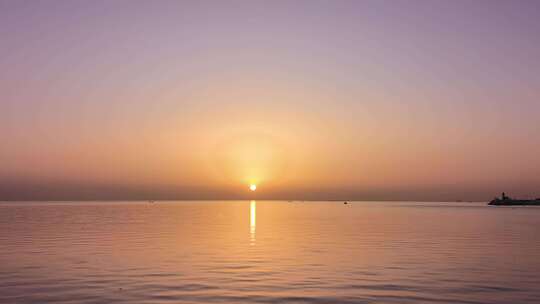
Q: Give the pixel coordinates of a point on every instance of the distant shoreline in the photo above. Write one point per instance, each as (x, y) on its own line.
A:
(243, 199)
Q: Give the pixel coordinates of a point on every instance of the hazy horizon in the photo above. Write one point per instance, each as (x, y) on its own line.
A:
(68, 191)
(315, 100)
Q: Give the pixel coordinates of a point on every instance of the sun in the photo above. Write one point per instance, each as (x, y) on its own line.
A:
(252, 187)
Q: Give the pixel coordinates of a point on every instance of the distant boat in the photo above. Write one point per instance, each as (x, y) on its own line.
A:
(507, 201)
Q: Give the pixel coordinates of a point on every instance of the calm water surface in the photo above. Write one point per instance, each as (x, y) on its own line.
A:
(268, 252)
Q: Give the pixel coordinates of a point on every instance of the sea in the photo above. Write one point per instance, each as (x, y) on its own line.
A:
(268, 252)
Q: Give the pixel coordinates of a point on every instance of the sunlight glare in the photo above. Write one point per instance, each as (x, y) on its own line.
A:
(253, 220)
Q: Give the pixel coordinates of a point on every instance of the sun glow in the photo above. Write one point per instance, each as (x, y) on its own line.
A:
(249, 159)
(252, 187)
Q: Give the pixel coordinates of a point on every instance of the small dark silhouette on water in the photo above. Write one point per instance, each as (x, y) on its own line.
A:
(508, 201)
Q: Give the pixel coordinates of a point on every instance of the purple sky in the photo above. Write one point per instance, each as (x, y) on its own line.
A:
(427, 100)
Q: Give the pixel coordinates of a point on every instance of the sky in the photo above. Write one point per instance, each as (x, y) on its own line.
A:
(367, 100)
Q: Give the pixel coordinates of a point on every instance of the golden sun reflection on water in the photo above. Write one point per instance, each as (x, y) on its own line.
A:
(252, 220)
